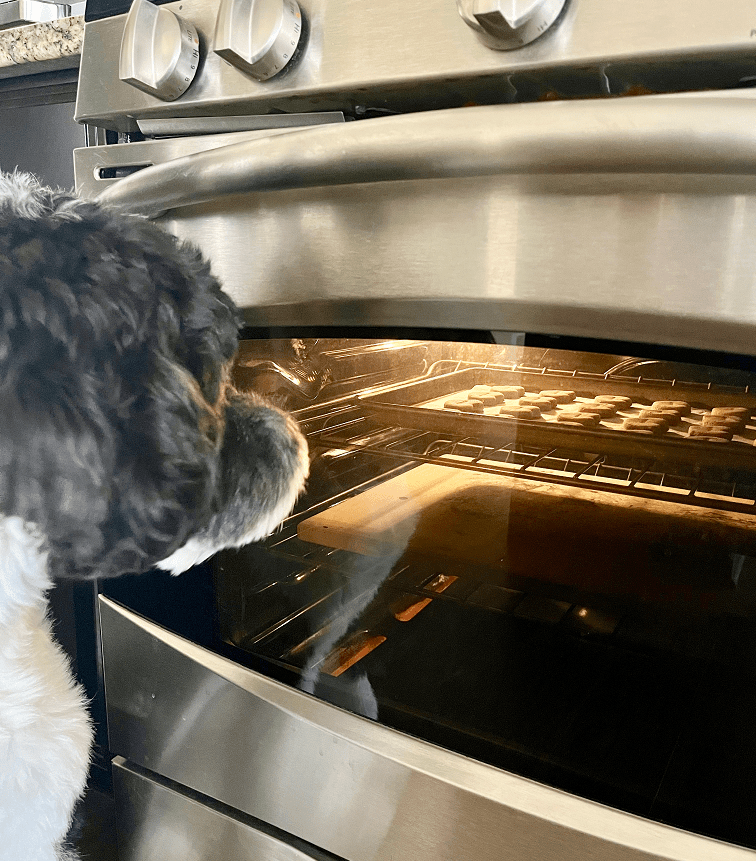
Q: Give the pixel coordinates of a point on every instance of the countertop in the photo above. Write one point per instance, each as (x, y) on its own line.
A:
(44, 47)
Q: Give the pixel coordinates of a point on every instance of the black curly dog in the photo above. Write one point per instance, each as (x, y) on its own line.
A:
(122, 447)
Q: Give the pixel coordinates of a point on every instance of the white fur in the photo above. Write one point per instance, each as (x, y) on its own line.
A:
(19, 191)
(45, 732)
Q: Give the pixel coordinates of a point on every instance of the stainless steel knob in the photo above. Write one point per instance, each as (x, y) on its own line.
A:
(159, 51)
(258, 36)
(508, 24)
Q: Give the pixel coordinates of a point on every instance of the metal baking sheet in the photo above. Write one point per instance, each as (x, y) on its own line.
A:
(418, 404)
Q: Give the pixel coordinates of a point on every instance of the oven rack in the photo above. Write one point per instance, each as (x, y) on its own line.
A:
(344, 427)
(346, 430)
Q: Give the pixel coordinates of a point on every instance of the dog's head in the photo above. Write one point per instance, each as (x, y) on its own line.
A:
(121, 440)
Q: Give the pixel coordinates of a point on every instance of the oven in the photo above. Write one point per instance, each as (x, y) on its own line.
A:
(496, 257)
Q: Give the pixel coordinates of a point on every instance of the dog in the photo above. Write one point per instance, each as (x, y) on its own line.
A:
(123, 447)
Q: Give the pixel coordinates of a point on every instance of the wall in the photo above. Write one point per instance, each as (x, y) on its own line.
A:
(41, 139)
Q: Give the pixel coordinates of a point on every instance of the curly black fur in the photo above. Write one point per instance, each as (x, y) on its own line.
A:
(114, 339)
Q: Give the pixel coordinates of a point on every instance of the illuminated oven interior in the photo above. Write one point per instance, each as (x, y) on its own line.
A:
(571, 600)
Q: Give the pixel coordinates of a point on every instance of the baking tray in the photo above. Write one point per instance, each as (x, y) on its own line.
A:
(407, 405)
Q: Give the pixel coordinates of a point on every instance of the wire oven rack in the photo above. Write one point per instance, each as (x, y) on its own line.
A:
(342, 427)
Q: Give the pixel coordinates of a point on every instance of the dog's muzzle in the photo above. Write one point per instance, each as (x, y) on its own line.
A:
(263, 466)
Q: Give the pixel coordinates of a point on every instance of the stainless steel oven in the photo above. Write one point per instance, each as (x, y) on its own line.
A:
(497, 258)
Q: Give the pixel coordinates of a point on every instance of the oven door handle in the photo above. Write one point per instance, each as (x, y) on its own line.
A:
(655, 134)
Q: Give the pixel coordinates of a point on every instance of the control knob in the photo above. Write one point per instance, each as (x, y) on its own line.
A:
(258, 36)
(159, 51)
(508, 24)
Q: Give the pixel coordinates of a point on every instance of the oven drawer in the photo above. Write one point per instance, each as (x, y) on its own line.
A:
(159, 821)
(340, 782)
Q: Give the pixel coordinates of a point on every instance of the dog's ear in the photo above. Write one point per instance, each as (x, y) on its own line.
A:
(113, 341)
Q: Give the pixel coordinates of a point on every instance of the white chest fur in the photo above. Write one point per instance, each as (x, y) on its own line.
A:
(45, 733)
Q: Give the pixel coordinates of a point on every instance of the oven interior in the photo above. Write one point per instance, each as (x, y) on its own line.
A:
(574, 604)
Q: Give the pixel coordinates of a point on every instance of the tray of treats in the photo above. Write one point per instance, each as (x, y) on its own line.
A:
(602, 414)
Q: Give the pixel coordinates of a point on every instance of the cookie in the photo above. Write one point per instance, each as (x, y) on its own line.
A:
(581, 417)
(464, 405)
(710, 432)
(619, 401)
(520, 412)
(654, 426)
(733, 422)
(738, 412)
(509, 392)
(606, 411)
(682, 408)
(670, 417)
(488, 399)
(561, 397)
(542, 403)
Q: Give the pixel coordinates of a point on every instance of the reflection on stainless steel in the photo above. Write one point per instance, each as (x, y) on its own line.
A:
(418, 57)
(582, 255)
(364, 577)
(349, 786)
(16, 12)
(215, 125)
(643, 135)
(156, 821)
(304, 380)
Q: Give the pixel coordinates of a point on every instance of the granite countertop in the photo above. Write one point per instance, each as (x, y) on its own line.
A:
(54, 42)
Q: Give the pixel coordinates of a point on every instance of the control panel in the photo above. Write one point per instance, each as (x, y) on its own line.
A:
(207, 58)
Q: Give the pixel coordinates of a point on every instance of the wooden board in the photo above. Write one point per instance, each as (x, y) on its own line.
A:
(532, 528)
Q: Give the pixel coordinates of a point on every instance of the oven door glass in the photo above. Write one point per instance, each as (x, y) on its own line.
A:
(541, 559)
